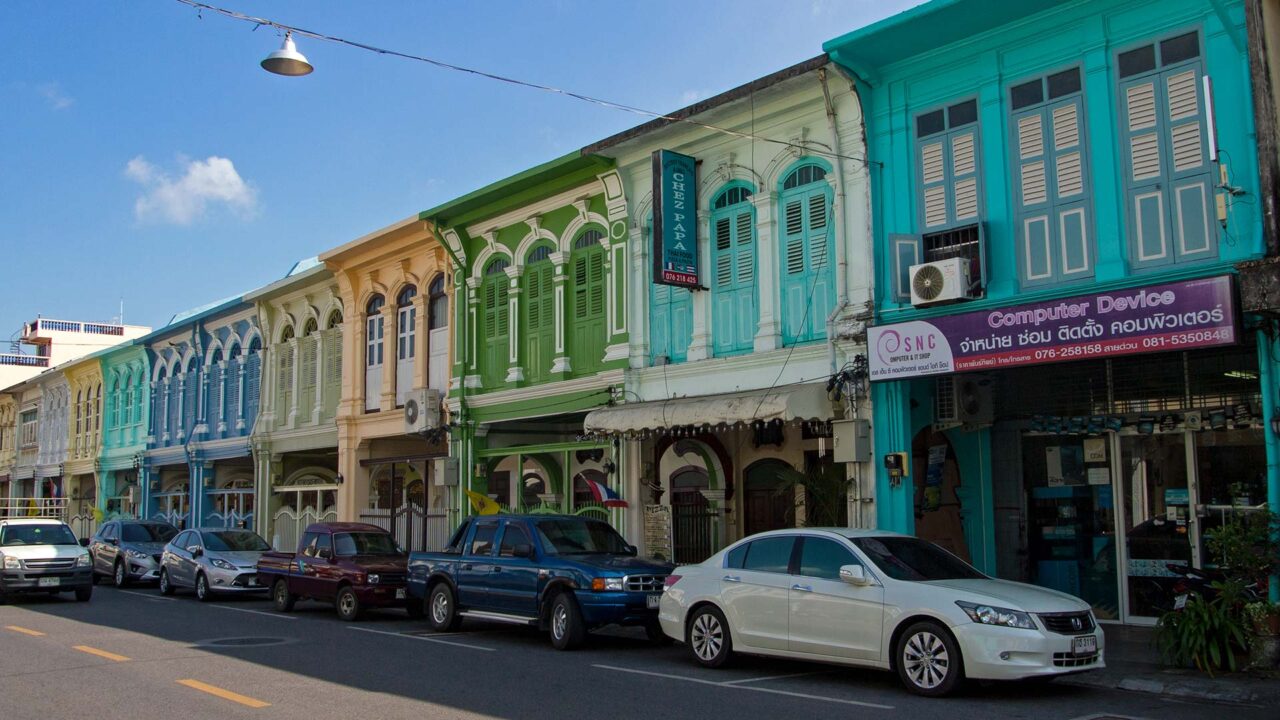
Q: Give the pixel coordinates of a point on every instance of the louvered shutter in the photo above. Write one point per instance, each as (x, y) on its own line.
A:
(252, 386)
(724, 253)
(597, 284)
(231, 383)
(964, 175)
(1050, 198)
(307, 379)
(539, 319)
(190, 393)
(333, 369)
(933, 182)
(495, 329)
(660, 322)
(1191, 191)
(793, 237)
(284, 380)
(733, 298)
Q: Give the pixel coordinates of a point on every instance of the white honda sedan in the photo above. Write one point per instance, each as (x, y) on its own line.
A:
(878, 600)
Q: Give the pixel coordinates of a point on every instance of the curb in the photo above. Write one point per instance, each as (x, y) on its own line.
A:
(1181, 688)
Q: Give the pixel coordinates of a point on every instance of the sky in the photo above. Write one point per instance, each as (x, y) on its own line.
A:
(146, 157)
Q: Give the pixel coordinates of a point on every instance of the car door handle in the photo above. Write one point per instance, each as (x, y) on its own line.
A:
(731, 578)
(466, 567)
(802, 588)
(497, 568)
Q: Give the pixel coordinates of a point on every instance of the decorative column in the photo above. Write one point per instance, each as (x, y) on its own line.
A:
(471, 340)
(560, 365)
(387, 401)
(239, 379)
(639, 305)
(182, 400)
(616, 296)
(461, 329)
(319, 337)
(294, 384)
(421, 341)
(515, 373)
(164, 409)
(769, 331)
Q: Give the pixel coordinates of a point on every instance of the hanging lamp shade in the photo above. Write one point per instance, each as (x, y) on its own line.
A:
(287, 60)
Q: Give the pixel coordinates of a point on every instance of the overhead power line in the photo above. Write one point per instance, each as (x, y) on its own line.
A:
(315, 35)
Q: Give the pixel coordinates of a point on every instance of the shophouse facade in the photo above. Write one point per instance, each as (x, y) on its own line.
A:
(542, 336)
(206, 366)
(51, 434)
(726, 414)
(126, 424)
(1079, 180)
(8, 442)
(295, 440)
(84, 442)
(393, 288)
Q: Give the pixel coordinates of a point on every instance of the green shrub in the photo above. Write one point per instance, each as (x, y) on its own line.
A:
(1205, 633)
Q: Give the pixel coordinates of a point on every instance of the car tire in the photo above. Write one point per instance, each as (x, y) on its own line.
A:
(203, 592)
(568, 630)
(119, 576)
(348, 604)
(928, 660)
(281, 597)
(84, 593)
(166, 588)
(93, 572)
(442, 608)
(708, 637)
(653, 631)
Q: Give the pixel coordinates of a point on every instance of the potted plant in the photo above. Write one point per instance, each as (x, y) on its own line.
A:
(1264, 646)
(1208, 634)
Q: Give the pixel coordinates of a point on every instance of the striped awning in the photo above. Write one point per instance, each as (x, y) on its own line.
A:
(793, 402)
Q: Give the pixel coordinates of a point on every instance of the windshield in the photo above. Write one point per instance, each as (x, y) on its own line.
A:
(51, 534)
(580, 537)
(903, 558)
(364, 543)
(147, 533)
(234, 541)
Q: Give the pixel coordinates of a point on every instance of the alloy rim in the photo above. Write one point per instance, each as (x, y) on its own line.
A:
(119, 574)
(348, 603)
(202, 588)
(559, 621)
(707, 637)
(164, 581)
(439, 607)
(280, 591)
(925, 658)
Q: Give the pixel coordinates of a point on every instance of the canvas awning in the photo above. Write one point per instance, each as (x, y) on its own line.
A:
(793, 402)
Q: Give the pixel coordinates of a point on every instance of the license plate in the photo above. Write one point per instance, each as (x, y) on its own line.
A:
(47, 582)
(1084, 645)
(652, 601)
(400, 594)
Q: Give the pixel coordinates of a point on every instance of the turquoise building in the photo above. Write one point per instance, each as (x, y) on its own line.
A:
(1061, 194)
(126, 418)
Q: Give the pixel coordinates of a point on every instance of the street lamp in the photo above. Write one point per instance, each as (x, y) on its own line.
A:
(287, 60)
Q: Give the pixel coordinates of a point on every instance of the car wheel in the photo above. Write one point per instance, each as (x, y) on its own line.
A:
(281, 597)
(707, 635)
(119, 576)
(203, 593)
(442, 609)
(653, 631)
(928, 660)
(348, 604)
(567, 627)
(93, 572)
(166, 588)
(83, 594)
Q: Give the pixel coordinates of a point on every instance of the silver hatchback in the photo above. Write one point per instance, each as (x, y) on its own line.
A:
(212, 561)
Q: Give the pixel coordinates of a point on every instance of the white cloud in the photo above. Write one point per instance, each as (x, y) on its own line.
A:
(53, 94)
(183, 200)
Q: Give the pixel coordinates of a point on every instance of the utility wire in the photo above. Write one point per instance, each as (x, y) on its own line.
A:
(261, 22)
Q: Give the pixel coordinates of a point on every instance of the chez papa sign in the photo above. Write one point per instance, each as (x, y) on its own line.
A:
(1173, 316)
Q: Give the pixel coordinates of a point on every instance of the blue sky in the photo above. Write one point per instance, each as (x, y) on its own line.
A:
(145, 155)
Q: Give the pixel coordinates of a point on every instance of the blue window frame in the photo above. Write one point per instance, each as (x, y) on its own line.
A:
(733, 261)
(807, 277)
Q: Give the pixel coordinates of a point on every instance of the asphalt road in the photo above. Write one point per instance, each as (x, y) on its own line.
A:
(136, 654)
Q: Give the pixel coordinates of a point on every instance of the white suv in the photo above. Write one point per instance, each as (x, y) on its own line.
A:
(42, 555)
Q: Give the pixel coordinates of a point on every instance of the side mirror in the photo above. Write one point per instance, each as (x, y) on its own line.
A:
(114, 541)
(632, 550)
(196, 551)
(84, 542)
(325, 554)
(854, 575)
(523, 550)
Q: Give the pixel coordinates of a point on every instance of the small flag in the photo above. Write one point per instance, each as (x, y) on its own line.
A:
(483, 504)
(605, 495)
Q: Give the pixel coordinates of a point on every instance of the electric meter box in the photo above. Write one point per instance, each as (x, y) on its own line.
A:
(851, 440)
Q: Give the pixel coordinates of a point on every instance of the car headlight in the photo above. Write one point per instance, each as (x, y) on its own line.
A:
(136, 554)
(220, 563)
(83, 560)
(992, 615)
(606, 584)
(12, 563)
(374, 578)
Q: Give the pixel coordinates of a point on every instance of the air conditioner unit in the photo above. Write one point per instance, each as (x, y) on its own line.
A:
(963, 400)
(422, 411)
(940, 281)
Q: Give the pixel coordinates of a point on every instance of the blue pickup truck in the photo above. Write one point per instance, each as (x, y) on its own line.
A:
(561, 573)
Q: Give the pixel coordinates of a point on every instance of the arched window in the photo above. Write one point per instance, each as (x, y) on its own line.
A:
(438, 335)
(252, 380)
(539, 314)
(231, 375)
(79, 409)
(215, 404)
(495, 356)
(406, 341)
(589, 334)
(286, 357)
(807, 277)
(332, 383)
(309, 357)
(373, 353)
(733, 267)
(190, 395)
(159, 415)
(670, 320)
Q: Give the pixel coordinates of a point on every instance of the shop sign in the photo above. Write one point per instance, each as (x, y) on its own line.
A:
(675, 219)
(1173, 316)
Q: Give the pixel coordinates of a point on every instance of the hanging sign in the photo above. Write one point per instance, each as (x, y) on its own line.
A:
(675, 219)
(1174, 316)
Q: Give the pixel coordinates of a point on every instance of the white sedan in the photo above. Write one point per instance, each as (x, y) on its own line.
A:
(878, 600)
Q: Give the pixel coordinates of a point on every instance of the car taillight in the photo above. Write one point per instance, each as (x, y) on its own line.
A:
(671, 580)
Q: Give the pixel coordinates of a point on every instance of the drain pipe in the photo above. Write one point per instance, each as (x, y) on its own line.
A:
(842, 263)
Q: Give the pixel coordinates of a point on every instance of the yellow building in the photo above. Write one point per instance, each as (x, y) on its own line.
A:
(84, 442)
(395, 287)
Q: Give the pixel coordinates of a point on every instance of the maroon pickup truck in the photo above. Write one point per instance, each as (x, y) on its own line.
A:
(352, 565)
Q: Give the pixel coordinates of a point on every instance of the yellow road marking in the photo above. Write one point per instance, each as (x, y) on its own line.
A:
(24, 631)
(224, 694)
(100, 653)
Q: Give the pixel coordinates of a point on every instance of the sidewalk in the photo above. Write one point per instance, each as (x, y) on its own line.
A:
(1133, 663)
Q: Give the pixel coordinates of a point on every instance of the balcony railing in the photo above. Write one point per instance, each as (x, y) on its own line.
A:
(48, 325)
(23, 360)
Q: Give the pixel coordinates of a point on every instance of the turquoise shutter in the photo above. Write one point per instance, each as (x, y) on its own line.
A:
(808, 290)
(795, 290)
(1191, 189)
(906, 250)
(660, 323)
(733, 289)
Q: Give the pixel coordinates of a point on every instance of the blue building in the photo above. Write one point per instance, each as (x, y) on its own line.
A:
(1061, 194)
(206, 368)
